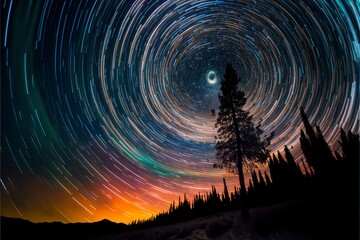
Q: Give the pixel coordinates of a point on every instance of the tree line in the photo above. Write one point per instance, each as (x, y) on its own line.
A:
(320, 174)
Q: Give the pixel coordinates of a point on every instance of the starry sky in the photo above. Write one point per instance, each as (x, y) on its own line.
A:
(105, 105)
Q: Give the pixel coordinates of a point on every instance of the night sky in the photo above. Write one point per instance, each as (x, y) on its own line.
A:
(106, 106)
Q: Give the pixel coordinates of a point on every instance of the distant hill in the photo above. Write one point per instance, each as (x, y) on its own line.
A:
(16, 228)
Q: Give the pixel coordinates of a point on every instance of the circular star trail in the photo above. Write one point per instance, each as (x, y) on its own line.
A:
(106, 106)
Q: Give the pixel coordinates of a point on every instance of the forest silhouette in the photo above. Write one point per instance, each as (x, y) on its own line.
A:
(327, 184)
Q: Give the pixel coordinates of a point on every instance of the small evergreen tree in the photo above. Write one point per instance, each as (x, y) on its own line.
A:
(267, 179)
(293, 169)
(350, 145)
(226, 198)
(238, 140)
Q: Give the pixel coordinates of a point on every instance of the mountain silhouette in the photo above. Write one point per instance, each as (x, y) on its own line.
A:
(16, 228)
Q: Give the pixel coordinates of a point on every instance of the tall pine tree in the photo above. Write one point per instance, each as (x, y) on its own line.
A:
(238, 140)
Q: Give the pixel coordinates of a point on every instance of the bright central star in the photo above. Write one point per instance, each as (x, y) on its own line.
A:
(211, 77)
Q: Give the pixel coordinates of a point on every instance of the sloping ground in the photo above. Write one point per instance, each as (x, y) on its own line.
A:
(294, 220)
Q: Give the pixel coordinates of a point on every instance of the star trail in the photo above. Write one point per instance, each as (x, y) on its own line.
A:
(106, 105)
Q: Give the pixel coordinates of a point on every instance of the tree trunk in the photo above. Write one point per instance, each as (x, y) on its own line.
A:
(243, 193)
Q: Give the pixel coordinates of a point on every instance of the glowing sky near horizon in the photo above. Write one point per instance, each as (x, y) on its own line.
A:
(105, 106)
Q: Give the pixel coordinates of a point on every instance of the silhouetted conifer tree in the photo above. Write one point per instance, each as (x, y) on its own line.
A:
(238, 140)
(273, 170)
(323, 145)
(316, 150)
(267, 179)
(338, 157)
(349, 145)
(261, 180)
(226, 198)
(295, 172)
(283, 174)
(250, 187)
(305, 168)
(289, 157)
(305, 146)
(281, 159)
(254, 179)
